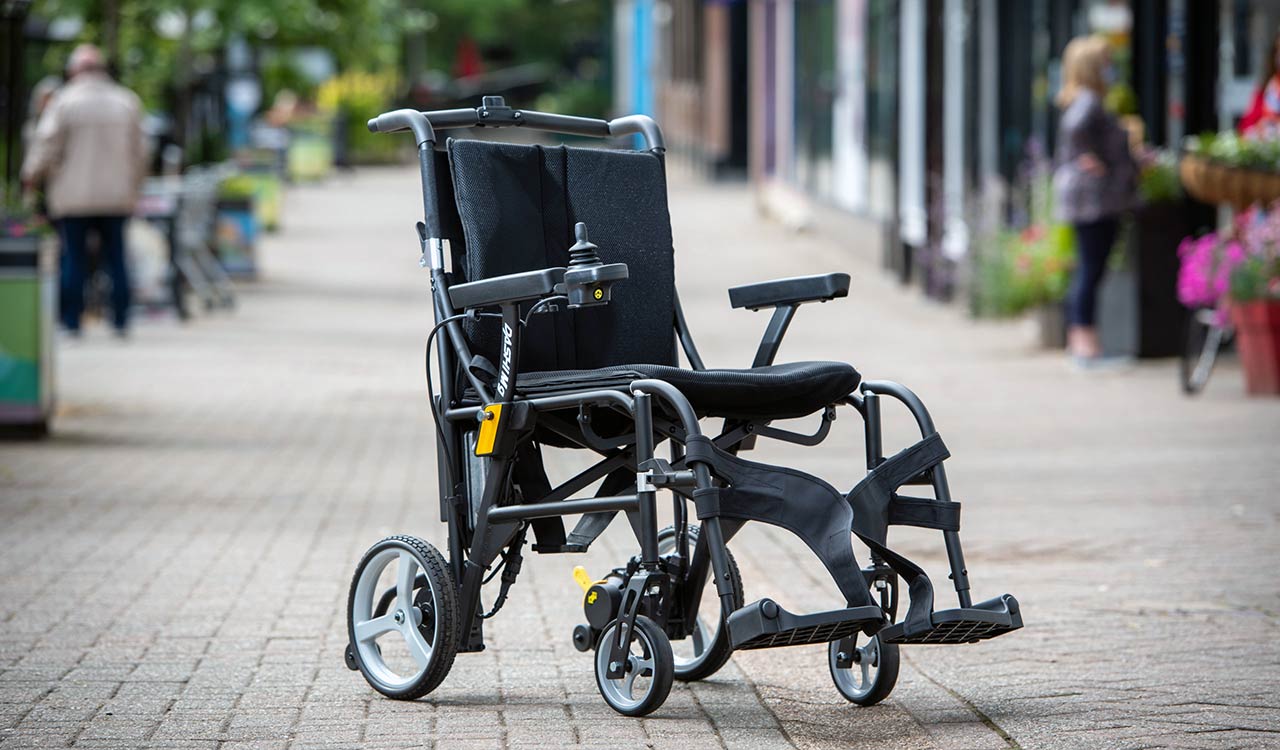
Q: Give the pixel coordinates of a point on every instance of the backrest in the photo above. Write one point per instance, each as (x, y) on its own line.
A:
(517, 206)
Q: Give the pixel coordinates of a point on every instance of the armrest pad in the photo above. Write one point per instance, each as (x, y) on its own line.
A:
(510, 288)
(791, 291)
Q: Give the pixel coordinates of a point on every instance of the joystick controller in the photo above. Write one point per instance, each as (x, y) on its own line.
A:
(588, 281)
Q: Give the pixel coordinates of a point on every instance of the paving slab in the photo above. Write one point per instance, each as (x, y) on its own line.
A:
(174, 560)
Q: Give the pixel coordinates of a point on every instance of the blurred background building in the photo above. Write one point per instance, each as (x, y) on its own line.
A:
(923, 116)
(929, 124)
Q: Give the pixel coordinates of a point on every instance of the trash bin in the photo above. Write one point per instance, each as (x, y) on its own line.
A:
(28, 293)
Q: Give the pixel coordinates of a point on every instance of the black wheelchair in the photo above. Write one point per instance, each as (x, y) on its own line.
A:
(557, 326)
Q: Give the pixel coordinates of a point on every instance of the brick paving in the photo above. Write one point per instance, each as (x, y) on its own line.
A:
(174, 562)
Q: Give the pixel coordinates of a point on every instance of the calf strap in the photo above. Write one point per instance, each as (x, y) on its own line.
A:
(876, 505)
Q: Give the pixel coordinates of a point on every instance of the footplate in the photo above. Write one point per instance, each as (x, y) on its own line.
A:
(764, 624)
(980, 622)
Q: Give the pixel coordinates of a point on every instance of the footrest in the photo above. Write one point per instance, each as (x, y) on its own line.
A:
(980, 622)
(764, 624)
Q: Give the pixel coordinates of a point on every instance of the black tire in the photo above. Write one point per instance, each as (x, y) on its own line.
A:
(1201, 345)
(434, 595)
(656, 649)
(702, 666)
(884, 659)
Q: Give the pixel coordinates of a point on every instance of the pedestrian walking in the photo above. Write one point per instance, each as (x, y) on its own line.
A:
(1094, 182)
(89, 153)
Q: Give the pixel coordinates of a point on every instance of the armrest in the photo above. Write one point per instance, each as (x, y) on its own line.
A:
(791, 291)
(513, 287)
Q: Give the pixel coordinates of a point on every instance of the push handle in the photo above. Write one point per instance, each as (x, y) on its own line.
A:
(494, 113)
(405, 119)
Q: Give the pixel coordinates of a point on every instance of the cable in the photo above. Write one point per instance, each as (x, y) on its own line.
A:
(541, 303)
(436, 414)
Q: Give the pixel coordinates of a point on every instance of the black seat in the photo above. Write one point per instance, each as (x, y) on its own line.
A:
(782, 391)
(516, 206)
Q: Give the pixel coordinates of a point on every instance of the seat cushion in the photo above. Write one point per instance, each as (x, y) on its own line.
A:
(781, 391)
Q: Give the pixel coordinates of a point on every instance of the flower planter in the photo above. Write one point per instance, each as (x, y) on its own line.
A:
(1258, 342)
(237, 237)
(1214, 182)
(1159, 318)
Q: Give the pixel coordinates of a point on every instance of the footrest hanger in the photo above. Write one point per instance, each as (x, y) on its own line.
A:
(765, 624)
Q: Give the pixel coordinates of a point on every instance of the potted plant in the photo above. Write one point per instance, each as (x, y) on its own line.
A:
(1237, 273)
(1254, 290)
(1028, 271)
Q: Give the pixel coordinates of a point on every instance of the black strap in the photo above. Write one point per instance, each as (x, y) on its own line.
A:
(592, 525)
(798, 502)
(875, 505)
(925, 513)
(872, 497)
(531, 476)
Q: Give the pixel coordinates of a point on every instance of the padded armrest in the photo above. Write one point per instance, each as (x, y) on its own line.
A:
(791, 291)
(513, 287)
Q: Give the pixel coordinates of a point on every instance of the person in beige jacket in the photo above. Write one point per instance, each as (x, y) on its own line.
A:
(89, 154)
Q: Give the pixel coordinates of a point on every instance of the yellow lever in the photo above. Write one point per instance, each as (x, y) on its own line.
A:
(583, 580)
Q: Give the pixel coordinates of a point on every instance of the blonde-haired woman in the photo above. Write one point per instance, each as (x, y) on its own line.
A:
(1094, 182)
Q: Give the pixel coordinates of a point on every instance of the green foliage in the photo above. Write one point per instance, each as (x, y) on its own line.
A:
(1016, 270)
(1256, 278)
(1120, 100)
(525, 30)
(237, 187)
(1021, 270)
(1158, 180)
(354, 98)
(357, 32)
(1231, 149)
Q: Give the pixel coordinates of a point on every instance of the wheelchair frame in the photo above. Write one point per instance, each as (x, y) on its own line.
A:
(665, 588)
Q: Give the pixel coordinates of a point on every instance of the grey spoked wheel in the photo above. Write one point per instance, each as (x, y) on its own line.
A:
(647, 672)
(404, 645)
(873, 673)
(707, 649)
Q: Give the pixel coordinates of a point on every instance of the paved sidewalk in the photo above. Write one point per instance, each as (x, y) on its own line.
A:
(174, 563)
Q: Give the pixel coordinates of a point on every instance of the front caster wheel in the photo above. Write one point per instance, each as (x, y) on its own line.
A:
(647, 674)
(404, 647)
(873, 673)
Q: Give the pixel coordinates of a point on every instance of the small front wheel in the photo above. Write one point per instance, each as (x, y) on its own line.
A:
(404, 644)
(873, 672)
(648, 671)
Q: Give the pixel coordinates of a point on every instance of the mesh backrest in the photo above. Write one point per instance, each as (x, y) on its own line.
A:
(518, 205)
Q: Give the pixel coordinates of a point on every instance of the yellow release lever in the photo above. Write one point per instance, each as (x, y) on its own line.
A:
(581, 577)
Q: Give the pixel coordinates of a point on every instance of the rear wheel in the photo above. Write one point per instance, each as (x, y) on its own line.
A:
(403, 645)
(707, 649)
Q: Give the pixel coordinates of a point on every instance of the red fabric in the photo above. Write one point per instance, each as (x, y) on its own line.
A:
(467, 62)
(1257, 110)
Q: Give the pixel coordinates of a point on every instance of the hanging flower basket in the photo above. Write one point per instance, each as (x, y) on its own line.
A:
(1213, 182)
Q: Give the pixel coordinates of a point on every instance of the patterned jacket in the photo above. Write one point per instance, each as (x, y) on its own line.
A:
(1087, 128)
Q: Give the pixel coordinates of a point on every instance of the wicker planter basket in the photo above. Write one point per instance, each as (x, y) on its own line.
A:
(1212, 182)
